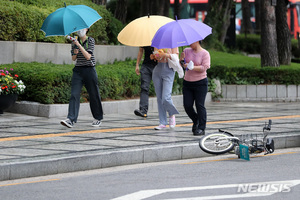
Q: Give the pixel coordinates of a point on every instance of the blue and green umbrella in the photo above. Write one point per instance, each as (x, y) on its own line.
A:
(69, 19)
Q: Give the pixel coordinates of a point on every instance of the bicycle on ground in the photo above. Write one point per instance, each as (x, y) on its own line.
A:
(223, 142)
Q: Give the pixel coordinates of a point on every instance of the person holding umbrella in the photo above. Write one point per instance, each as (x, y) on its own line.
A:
(163, 77)
(84, 73)
(139, 33)
(185, 32)
(146, 77)
(63, 22)
(195, 85)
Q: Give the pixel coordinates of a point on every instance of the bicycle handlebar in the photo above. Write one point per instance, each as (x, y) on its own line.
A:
(268, 127)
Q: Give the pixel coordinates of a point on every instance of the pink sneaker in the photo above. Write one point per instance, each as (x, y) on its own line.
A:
(172, 121)
(160, 127)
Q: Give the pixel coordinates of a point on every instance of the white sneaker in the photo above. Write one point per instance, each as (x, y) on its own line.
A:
(96, 123)
(172, 121)
(160, 127)
(68, 123)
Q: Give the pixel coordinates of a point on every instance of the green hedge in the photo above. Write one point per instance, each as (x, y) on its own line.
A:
(51, 83)
(239, 69)
(256, 75)
(251, 45)
(21, 20)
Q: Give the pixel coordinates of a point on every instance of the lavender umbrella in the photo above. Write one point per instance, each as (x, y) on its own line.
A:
(179, 33)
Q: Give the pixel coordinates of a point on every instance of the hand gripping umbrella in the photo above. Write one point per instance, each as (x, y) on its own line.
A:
(69, 19)
(179, 33)
(140, 31)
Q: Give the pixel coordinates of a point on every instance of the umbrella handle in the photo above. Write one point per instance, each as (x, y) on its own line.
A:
(186, 69)
(182, 62)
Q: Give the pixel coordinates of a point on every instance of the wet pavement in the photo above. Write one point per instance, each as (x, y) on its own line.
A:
(36, 146)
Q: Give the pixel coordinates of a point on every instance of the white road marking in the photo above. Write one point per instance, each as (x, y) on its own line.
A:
(143, 194)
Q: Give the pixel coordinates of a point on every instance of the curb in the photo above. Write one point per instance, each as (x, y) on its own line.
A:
(42, 167)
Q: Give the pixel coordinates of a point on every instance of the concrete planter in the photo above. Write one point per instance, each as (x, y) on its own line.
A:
(109, 107)
(272, 93)
(6, 101)
(15, 51)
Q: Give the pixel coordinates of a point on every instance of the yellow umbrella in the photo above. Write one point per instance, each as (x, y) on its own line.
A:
(140, 31)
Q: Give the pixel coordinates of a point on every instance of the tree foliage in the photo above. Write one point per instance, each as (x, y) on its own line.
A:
(99, 2)
(218, 17)
(21, 20)
(133, 9)
(121, 11)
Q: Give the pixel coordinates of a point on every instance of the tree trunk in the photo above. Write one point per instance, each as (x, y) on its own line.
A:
(121, 11)
(283, 33)
(228, 4)
(257, 18)
(269, 52)
(246, 22)
(176, 9)
(166, 8)
(158, 7)
(145, 8)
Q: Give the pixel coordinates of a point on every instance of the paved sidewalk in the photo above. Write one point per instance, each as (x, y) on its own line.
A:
(36, 146)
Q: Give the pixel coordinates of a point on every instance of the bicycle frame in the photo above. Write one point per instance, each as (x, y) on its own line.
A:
(223, 142)
(255, 145)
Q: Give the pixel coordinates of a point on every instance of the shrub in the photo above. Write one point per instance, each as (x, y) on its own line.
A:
(18, 22)
(249, 44)
(21, 20)
(51, 83)
(256, 75)
(239, 69)
(45, 83)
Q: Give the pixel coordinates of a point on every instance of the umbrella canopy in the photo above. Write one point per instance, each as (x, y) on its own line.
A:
(69, 19)
(179, 33)
(140, 31)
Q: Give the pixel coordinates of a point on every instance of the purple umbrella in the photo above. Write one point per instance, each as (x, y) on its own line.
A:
(179, 33)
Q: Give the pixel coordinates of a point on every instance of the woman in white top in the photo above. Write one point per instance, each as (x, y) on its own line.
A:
(163, 77)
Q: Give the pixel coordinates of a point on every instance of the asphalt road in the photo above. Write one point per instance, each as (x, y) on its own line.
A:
(275, 176)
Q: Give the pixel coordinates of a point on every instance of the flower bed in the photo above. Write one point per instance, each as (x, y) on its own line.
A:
(10, 87)
(9, 83)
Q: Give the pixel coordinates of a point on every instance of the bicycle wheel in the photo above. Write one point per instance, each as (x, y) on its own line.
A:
(216, 143)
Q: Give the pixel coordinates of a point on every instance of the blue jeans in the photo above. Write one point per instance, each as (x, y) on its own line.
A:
(163, 78)
(195, 92)
(86, 76)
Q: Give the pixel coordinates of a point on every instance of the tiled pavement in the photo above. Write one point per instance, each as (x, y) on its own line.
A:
(35, 146)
